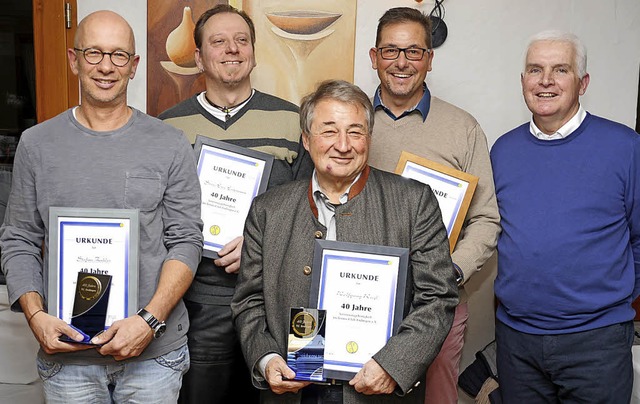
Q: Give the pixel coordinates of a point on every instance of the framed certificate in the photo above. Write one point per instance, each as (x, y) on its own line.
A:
(100, 248)
(453, 189)
(362, 288)
(230, 177)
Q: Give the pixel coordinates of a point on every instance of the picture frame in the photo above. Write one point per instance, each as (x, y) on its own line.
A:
(364, 303)
(230, 178)
(93, 241)
(454, 189)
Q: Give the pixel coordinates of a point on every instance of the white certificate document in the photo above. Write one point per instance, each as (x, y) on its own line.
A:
(358, 291)
(449, 191)
(96, 246)
(229, 181)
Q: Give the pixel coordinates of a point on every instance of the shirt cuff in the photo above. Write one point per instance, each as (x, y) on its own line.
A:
(262, 366)
(459, 274)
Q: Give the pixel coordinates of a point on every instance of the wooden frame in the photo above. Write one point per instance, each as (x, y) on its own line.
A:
(440, 177)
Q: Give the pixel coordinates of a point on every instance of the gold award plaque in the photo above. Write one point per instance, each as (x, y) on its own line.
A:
(303, 324)
(90, 288)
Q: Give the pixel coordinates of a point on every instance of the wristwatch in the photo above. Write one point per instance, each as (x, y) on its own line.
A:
(459, 274)
(158, 327)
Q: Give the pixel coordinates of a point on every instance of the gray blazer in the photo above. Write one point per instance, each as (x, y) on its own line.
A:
(383, 209)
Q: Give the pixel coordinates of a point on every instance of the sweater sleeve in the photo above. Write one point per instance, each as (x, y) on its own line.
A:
(22, 233)
(181, 208)
(479, 235)
(632, 202)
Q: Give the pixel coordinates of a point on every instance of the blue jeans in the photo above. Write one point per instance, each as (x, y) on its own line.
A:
(593, 366)
(154, 380)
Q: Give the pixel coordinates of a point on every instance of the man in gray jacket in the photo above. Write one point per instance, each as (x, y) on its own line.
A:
(345, 200)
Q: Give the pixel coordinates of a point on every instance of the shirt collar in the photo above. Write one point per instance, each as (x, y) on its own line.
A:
(566, 129)
(320, 196)
(423, 105)
(354, 189)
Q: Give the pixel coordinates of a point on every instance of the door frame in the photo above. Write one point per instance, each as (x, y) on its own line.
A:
(56, 86)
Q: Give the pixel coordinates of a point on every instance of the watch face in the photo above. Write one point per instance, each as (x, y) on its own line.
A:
(160, 330)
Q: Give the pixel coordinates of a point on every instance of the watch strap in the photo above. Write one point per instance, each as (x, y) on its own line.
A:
(149, 318)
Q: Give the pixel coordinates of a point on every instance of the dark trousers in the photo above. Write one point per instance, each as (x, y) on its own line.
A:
(218, 373)
(592, 366)
(322, 394)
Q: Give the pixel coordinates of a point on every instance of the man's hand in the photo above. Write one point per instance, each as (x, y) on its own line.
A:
(125, 338)
(373, 379)
(230, 256)
(277, 372)
(48, 329)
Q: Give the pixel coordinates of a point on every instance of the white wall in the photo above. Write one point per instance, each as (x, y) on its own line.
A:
(478, 68)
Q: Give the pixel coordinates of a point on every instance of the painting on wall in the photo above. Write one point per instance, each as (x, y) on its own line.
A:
(301, 43)
(298, 44)
(172, 75)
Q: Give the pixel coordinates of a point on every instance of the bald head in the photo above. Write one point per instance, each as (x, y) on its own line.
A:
(108, 23)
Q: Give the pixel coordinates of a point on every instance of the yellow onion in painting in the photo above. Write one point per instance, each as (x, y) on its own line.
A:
(180, 44)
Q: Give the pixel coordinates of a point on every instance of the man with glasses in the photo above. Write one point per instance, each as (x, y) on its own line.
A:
(105, 154)
(345, 200)
(409, 118)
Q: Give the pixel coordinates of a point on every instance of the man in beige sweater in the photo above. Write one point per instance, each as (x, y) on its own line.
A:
(408, 118)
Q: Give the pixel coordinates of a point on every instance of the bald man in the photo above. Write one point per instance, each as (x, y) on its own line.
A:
(105, 154)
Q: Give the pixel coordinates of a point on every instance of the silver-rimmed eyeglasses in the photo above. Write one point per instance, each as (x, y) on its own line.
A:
(392, 53)
(94, 56)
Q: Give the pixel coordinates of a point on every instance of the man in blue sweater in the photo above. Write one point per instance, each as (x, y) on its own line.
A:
(568, 189)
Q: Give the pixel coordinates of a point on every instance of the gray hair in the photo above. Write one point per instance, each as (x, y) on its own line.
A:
(338, 90)
(560, 36)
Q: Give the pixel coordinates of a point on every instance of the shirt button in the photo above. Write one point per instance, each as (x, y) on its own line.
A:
(318, 234)
(306, 270)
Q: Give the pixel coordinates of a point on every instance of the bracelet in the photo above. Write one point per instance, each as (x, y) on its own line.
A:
(33, 315)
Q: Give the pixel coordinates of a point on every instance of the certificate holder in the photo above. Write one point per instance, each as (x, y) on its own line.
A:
(93, 242)
(362, 289)
(453, 189)
(230, 177)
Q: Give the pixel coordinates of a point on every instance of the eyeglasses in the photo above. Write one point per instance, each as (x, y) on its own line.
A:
(392, 53)
(94, 56)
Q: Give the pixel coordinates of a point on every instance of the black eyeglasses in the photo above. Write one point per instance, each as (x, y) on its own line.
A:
(94, 56)
(392, 53)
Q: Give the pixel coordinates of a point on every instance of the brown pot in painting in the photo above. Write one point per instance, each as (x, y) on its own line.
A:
(180, 44)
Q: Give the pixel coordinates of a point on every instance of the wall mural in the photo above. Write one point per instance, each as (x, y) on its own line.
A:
(298, 44)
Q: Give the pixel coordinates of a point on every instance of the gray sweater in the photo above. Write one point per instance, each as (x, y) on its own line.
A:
(144, 165)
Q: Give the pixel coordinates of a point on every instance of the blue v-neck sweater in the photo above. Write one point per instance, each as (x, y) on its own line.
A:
(569, 253)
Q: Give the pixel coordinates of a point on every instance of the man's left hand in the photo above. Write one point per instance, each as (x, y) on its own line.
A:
(125, 338)
(373, 379)
(230, 255)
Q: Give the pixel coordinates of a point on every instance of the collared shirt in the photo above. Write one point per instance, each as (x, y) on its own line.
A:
(422, 106)
(221, 115)
(566, 129)
(326, 209)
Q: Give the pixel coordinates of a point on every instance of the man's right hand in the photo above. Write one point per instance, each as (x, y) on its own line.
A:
(48, 329)
(279, 376)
